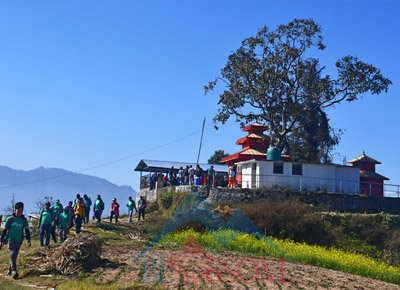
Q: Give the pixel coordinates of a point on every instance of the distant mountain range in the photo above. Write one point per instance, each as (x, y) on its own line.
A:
(33, 185)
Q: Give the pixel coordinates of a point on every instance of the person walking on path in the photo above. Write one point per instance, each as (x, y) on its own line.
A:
(79, 213)
(46, 220)
(98, 208)
(142, 207)
(14, 228)
(131, 205)
(63, 226)
(87, 202)
(114, 210)
(71, 215)
(57, 209)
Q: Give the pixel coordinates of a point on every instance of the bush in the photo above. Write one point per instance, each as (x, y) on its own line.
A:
(166, 199)
(289, 219)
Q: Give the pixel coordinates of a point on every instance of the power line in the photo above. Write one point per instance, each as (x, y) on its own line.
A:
(107, 163)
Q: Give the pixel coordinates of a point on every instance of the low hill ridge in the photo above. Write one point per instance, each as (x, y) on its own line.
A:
(32, 185)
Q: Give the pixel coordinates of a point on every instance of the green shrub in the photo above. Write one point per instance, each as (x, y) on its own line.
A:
(166, 199)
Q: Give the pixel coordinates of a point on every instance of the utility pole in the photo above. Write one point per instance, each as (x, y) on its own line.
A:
(201, 140)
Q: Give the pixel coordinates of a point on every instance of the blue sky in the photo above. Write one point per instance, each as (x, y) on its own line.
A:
(87, 82)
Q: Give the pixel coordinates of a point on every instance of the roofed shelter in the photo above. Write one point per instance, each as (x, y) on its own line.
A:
(151, 166)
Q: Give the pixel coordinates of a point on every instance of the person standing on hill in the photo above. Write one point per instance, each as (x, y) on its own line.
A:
(191, 175)
(231, 180)
(142, 204)
(78, 197)
(211, 176)
(181, 176)
(186, 174)
(131, 205)
(63, 226)
(98, 208)
(14, 228)
(57, 209)
(87, 202)
(79, 212)
(114, 210)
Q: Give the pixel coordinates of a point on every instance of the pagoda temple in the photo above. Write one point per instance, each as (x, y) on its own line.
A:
(254, 145)
(371, 183)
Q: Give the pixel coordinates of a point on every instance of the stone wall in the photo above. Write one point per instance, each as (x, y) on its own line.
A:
(329, 201)
(151, 195)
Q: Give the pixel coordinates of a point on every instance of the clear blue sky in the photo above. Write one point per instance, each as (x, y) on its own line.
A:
(87, 82)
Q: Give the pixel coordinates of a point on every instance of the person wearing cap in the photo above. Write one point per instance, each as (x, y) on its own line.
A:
(57, 209)
(142, 204)
(14, 228)
(114, 210)
(98, 208)
(46, 219)
(63, 225)
(131, 205)
(79, 213)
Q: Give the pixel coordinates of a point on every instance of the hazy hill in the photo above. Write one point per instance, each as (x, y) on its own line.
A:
(57, 183)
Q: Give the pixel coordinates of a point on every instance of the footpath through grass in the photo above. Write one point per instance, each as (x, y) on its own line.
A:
(294, 252)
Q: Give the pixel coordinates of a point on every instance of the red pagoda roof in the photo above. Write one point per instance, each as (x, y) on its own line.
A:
(242, 140)
(370, 174)
(364, 158)
(246, 152)
(256, 126)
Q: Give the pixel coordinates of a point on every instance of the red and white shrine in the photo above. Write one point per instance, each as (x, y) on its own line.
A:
(371, 183)
(254, 145)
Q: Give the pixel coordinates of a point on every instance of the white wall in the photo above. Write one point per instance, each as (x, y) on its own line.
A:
(315, 177)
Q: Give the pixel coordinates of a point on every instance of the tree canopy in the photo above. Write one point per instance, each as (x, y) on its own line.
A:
(217, 156)
(271, 79)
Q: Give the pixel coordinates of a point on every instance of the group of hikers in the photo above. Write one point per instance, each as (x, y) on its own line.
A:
(184, 176)
(56, 216)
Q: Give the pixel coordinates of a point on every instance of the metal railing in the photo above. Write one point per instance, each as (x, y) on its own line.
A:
(302, 183)
(299, 182)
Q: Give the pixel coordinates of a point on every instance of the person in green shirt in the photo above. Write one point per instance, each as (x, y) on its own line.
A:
(98, 208)
(46, 220)
(57, 209)
(14, 227)
(131, 205)
(63, 226)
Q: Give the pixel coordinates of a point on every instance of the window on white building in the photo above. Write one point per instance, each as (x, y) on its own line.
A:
(297, 169)
(278, 167)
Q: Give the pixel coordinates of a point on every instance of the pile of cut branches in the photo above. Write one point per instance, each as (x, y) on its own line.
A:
(81, 252)
(78, 253)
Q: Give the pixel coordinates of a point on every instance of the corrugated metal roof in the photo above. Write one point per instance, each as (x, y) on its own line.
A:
(158, 165)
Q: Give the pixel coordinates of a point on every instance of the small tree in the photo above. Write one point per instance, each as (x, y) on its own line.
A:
(10, 208)
(217, 156)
